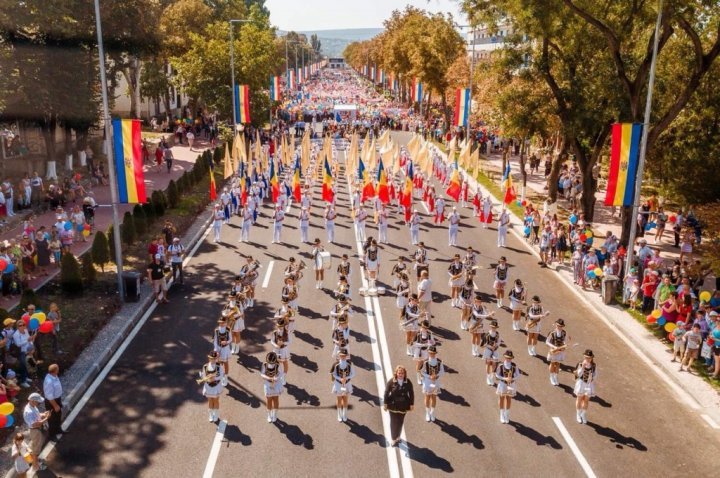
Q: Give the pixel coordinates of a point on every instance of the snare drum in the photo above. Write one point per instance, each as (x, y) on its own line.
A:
(325, 259)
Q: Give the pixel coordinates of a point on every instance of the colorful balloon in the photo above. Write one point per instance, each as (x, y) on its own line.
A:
(671, 337)
(656, 313)
(10, 268)
(34, 324)
(669, 327)
(87, 227)
(10, 421)
(25, 318)
(7, 408)
(68, 226)
(3, 264)
(524, 203)
(661, 321)
(46, 327)
(591, 274)
(598, 272)
(40, 316)
(527, 230)
(650, 319)
(716, 334)
(86, 233)
(573, 219)
(3, 421)
(583, 238)
(705, 296)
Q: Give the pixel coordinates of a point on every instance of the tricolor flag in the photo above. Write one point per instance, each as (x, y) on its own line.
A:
(372, 74)
(242, 103)
(368, 190)
(382, 187)
(291, 79)
(624, 157)
(275, 88)
(297, 193)
(244, 183)
(462, 107)
(127, 146)
(508, 185)
(327, 191)
(417, 90)
(382, 78)
(406, 194)
(213, 188)
(274, 184)
(454, 188)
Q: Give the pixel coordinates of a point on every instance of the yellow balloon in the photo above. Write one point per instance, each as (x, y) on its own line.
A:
(7, 408)
(656, 313)
(40, 316)
(705, 296)
(670, 326)
(588, 234)
(85, 233)
(598, 272)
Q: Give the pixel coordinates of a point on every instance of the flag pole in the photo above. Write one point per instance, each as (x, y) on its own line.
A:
(643, 143)
(109, 152)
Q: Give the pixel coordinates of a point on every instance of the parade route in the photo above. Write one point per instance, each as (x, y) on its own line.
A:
(148, 418)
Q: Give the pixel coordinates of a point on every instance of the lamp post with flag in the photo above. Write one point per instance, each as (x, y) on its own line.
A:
(232, 23)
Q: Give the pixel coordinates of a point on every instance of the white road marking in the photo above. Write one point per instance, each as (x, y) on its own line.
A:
(266, 279)
(215, 450)
(710, 421)
(116, 356)
(574, 448)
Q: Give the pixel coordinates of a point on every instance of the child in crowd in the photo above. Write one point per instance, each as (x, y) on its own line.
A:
(679, 344)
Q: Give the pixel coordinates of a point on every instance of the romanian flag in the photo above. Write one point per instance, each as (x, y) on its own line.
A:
(291, 79)
(417, 90)
(275, 88)
(406, 195)
(274, 185)
(368, 190)
(508, 185)
(327, 190)
(242, 103)
(453, 189)
(127, 147)
(624, 157)
(462, 107)
(297, 192)
(213, 188)
(382, 78)
(382, 188)
(300, 75)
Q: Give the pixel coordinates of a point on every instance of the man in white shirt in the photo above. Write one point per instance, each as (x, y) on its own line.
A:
(453, 227)
(34, 421)
(52, 388)
(176, 252)
(225, 199)
(424, 292)
(360, 218)
(503, 222)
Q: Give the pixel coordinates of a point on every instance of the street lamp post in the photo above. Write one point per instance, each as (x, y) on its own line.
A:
(232, 67)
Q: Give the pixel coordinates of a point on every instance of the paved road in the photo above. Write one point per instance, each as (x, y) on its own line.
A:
(149, 419)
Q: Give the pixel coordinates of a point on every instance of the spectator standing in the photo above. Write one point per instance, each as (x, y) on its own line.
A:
(24, 343)
(35, 422)
(55, 316)
(693, 341)
(399, 399)
(37, 188)
(159, 155)
(52, 388)
(19, 450)
(7, 189)
(176, 251)
(168, 156)
(156, 275)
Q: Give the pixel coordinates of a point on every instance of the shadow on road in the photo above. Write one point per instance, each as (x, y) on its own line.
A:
(620, 441)
(428, 458)
(459, 434)
(295, 435)
(536, 436)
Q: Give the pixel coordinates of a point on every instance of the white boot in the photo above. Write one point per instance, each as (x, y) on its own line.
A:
(216, 414)
(269, 416)
(474, 350)
(427, 414)
(274, 415)
(530, 350)
(583, 415)
(499, 303)
(408, 350)
(340, 417)
(579, 416)
(507, 415)
(533, 351)
(224, 381)
(211, 418)
(419, 379)
(432, 414)
(344, 414)
(490, 379)
(502, 416)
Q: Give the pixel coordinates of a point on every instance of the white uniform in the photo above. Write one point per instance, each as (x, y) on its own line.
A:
(410, 322)
(430, 387)
(556, 339)
(213, 388)
(222, 335)
(402, 289)
(487, 211)
(585, 383)
(492, 345)
(360, 218)
(339, 371)
(453, 228)
(218, 219)
(277, 225)
(341, 339)
(273, 379)
(372, 259)
(534, 315)
(455, 269)
(421, 344)
(517, 296)
(280, 342)
(415, 229)
(503, 223)
(330, 224)
(247, 222)
(503, 371)
(304, 225)
(383, 226)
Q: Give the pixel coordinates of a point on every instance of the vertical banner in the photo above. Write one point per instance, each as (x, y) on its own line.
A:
(417, 90)
(462, 107)
(242, 103)
(275, 88)
(624, 157)
(127, 146)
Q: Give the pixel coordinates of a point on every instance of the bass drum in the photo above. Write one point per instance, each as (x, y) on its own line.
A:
(325, 259)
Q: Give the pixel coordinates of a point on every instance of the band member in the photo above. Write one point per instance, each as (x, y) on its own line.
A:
(557, 341)
(304, 219)
(477, 202)
(517, 302)
(439, 210)
(507, 374)
(221, 345)
(330, 222)
(273, 380)
(414, 224)
(343, 288)
(501, 276)
(466, 302)
(234, 312)
(278, 218)
(410, 322)
(247, 221)
(469, 262)
(464, 193)
(289, 292)
(432, 371)
(360, 219)
(248, 278)
(491, 341)
(372, 263)
(420, 258)
(341, 335)
(503, 223)
(226, 200)
(535, 313)
(294, 269)
(453, 225)
(398, 269)
(421, 342)
(218, 219)
(211, 376)
(585, 375)
(341, 308)
(342, 373)
(455, 281)
(402, 290)
(383, 225)
(343, 269)
(486, 214)
(280, 342)
(478, 314)
(318, 264)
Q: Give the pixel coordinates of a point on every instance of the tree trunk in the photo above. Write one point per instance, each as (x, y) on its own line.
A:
(81, 136)
(67, 139)
(522, 167)
(627, 218)
(588, 195)
(132, 77)
(555, 170)
(47, 128)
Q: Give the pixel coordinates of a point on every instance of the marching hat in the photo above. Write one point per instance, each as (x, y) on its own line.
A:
(281, 322)
(503, 258)
(509, 354)
(343, 351)
(414, 296)
(589, 353)
(271, 357)
(222, 318)
(536, 298)
(432, 349)
(560, 322)
(494, 324)
(212, 355)
(425, 324)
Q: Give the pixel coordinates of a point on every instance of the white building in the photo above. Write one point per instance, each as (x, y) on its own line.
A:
(481, 42)
(146, 107)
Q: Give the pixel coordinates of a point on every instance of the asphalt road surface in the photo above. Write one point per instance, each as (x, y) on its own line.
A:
(149, 419)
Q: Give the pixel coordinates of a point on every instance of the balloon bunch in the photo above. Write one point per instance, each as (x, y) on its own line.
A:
(6, 418)
(38, 321)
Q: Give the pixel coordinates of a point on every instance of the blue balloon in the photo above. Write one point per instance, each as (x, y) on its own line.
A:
(661, 321)
(573, 219)
(33, 324)
(591, 274)
(79, 228)
(10, 421)
(9, 268)
(716, 334)
(527, 230)
(68, 225)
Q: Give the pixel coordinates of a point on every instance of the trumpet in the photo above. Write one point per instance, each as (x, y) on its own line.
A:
(211, 377)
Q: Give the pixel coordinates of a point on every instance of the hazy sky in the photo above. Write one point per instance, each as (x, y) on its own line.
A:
(300, 15)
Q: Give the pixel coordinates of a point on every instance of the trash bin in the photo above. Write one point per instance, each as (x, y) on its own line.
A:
(131, 284)
(609, 288)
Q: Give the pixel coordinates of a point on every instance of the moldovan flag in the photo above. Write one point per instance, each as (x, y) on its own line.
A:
(368, 190)
(624, 157)
(213, 188)
(296, 181)
(453, 189)
(508, 185)
(327, 191)
(382, 188)
(242, 103)
(274, 185)
(291, 79)
(462, 106)
(244, 183)
(127, 147)
(417, 90)
(274, 88)
(406, 195)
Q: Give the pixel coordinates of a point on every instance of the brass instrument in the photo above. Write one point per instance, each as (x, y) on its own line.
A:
(211, 377)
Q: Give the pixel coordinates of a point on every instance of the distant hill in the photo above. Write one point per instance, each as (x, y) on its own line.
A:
(333, 42)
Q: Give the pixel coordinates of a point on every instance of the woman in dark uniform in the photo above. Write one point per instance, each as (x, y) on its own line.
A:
(399, 399)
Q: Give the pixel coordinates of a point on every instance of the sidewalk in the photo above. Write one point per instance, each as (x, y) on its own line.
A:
(154, 180)
(691, 389)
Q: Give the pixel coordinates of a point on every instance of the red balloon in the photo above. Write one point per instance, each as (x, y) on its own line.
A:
(46, 327)
(711, 341)
(3, 264)
(3, 421)
(583, 237)
(673, 219)
(650, 319)
(26, 318)
(87, 227)
(524, 203)
(671, 337)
